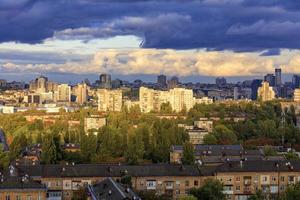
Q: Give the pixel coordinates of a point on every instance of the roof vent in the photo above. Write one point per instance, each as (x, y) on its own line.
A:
(127, 190)
(109, 192)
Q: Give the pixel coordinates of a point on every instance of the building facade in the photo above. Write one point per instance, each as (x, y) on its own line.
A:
(109, 100)
(265, 92)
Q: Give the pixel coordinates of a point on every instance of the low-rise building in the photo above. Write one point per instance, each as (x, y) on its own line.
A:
(94, 122)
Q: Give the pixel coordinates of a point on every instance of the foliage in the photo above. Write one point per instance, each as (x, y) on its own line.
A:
(188, 157)
(257, 196)
(291, 193)
(211, 190)
(210, 139)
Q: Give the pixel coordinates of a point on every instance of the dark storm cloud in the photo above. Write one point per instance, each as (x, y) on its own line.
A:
(239, 25)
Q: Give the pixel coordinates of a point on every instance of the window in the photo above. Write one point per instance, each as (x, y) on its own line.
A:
(177, 183)
(18, 197)
(187, 183)
(255, 179)
(238, 178)
(177, 192)
(151, 184)
(7, 197)
(282, 178)
(29, 197)
(273, 178)
(238, 188)
(196, 183)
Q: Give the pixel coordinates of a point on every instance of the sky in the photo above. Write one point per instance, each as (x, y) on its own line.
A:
(193, 39)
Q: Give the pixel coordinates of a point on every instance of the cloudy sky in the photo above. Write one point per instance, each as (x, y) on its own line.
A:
(188, 38)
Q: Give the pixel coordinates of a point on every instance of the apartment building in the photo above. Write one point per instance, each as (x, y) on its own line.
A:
(242, 179)
(266, 92)
(109, 100)
(93, 122)
(179, 99)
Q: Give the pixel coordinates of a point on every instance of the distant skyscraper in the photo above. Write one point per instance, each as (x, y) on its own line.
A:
(221, 81)
(173, 82)
(235, 93)
(254, 87)
(277, 77)
(296, 81)
(270, 78)
(105, 81)
(265, 92)
(162, 80)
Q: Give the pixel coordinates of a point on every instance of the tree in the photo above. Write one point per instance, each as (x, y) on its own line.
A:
(211, 190)
(80, 194)
(291, 156)
(188, 157)
(18, 144)
(166, 108)
(210, 139)
(135, 150)
(291, 193)
(51, 150)
(269, 151)
(190, 197)
(257, 196)
(224, 135)
(4, 159)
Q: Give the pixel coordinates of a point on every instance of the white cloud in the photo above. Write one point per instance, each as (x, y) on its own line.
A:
(169, 62)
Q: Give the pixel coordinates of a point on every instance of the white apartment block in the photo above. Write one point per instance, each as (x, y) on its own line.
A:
(179, 98)
(297, 95)
(109, 100)
(63, 93)
(265, 92)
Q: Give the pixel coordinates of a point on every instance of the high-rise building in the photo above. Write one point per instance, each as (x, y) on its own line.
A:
(265, 92)
(109, 100)
(81, 93)
(2, 83)
(256, 83)
(162, 80)
(277, 77)
(63, 93)
(105, 81)
(235, 93)
(179, 99)
(271, 79)
(221, 81)
(173, 82)
(297, 95)
(42, 85)
(296, 81)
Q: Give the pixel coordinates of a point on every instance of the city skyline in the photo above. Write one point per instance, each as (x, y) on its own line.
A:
(147, 38)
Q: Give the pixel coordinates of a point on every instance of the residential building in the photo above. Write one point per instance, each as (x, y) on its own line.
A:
(63, 93)
(297, 95)
(265, 92)
(81, 93)
(109, 100)
(212, 155)
(15, 186)
(204, 123)
(204, 100)
(109, 189)
(179, 99)
(196, 135)
(94, 122)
